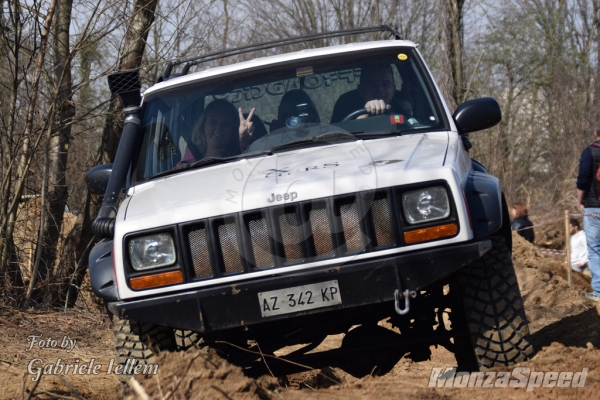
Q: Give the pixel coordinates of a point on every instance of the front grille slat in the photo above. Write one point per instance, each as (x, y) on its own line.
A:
(321, 231)
(228, 243)
(261, 247)
(382, 221)
(290, 236)
(200, 257)
(351, 225)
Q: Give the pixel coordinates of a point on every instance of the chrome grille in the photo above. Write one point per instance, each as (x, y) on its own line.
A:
(290, 236)
(229, 248)
(200, 257)
(260, 243)
(382, 221)
(351, 226)
(321, 231)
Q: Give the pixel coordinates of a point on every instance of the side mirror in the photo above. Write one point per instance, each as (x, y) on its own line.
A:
(97, 178)
(477, 114)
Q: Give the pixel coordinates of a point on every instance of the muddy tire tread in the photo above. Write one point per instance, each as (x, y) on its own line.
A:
(185, 340)
(494, 309)
(139, 342)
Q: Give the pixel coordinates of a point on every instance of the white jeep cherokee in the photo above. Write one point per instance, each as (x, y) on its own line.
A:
(328, 220)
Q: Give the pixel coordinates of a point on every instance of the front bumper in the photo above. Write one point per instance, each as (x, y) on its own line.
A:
(361, 283)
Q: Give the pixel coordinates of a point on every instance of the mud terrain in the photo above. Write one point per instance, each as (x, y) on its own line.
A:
(565, 328)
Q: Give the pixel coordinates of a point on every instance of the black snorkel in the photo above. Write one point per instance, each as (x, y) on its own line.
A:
(127, 86)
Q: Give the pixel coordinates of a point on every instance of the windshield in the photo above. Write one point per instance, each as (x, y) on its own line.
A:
(286, 106)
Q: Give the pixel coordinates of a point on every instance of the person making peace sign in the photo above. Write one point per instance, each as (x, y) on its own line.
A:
(215, 133)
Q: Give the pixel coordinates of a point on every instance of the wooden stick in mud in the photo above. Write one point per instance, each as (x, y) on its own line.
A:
(568, 248)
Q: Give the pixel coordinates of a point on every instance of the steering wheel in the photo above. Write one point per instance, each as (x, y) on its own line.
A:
(359, 112)
(355, 114)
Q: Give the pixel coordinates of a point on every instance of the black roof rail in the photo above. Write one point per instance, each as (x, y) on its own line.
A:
(189, 62)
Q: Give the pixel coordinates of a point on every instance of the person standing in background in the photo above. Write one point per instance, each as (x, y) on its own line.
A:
(588, 198)
(579, 251)
(521, 222)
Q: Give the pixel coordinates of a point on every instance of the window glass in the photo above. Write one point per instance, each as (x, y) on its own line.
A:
(200, 121)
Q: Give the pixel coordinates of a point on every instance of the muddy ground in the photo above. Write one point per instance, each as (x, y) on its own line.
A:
(565, 328)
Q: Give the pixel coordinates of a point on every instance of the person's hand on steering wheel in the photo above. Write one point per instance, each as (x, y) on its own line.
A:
(372, 108)
(377, 107)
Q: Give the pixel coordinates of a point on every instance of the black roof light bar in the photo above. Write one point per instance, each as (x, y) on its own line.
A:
(190, 62)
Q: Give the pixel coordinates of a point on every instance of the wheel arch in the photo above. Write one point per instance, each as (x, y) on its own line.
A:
(102, 273)
(505, 230)
(488, 208)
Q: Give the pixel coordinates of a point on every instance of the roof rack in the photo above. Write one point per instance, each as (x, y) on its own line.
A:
(189, 62)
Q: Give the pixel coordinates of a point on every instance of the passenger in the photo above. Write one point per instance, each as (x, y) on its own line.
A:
(407, 108)
(295, 103)
(375, 92)
(215, 133)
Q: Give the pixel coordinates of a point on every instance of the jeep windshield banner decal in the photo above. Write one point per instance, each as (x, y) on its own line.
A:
(310, 82)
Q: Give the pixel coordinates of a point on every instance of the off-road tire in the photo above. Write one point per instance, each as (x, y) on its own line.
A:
(185, 340)
(494, 316)
(139, 343)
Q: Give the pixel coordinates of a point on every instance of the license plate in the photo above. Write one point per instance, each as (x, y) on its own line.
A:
(299, 298)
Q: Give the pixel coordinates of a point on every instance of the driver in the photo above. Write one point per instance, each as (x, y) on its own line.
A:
(375, 93)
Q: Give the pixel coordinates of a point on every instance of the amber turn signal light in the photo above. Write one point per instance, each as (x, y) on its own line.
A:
(155, 280)
(434, 232)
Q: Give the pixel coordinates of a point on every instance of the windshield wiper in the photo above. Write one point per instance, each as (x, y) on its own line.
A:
(200, 163)
(210, 161)
(330, 138)
(378, 134)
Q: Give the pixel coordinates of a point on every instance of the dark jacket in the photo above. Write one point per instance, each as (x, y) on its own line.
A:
(589, 162)
(520, 225)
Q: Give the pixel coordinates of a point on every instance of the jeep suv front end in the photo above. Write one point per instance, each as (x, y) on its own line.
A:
(332, 217)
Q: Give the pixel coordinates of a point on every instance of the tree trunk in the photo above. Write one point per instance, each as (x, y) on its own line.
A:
(58, 151)
(454, 40)
(12, 50)
(596, 22)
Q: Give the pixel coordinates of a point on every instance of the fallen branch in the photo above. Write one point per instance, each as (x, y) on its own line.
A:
(221, 391)
(184, 374)
(264, 360)
(137, 388)
(55, 395)
(71, 388)
(34, 386)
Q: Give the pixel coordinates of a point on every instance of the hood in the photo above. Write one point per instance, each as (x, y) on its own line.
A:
(287, 177)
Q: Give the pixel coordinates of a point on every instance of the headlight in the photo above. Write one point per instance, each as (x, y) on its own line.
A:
(152, 251)
(426, 205)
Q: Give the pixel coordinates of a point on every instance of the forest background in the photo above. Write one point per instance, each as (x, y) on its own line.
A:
(538, 58)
